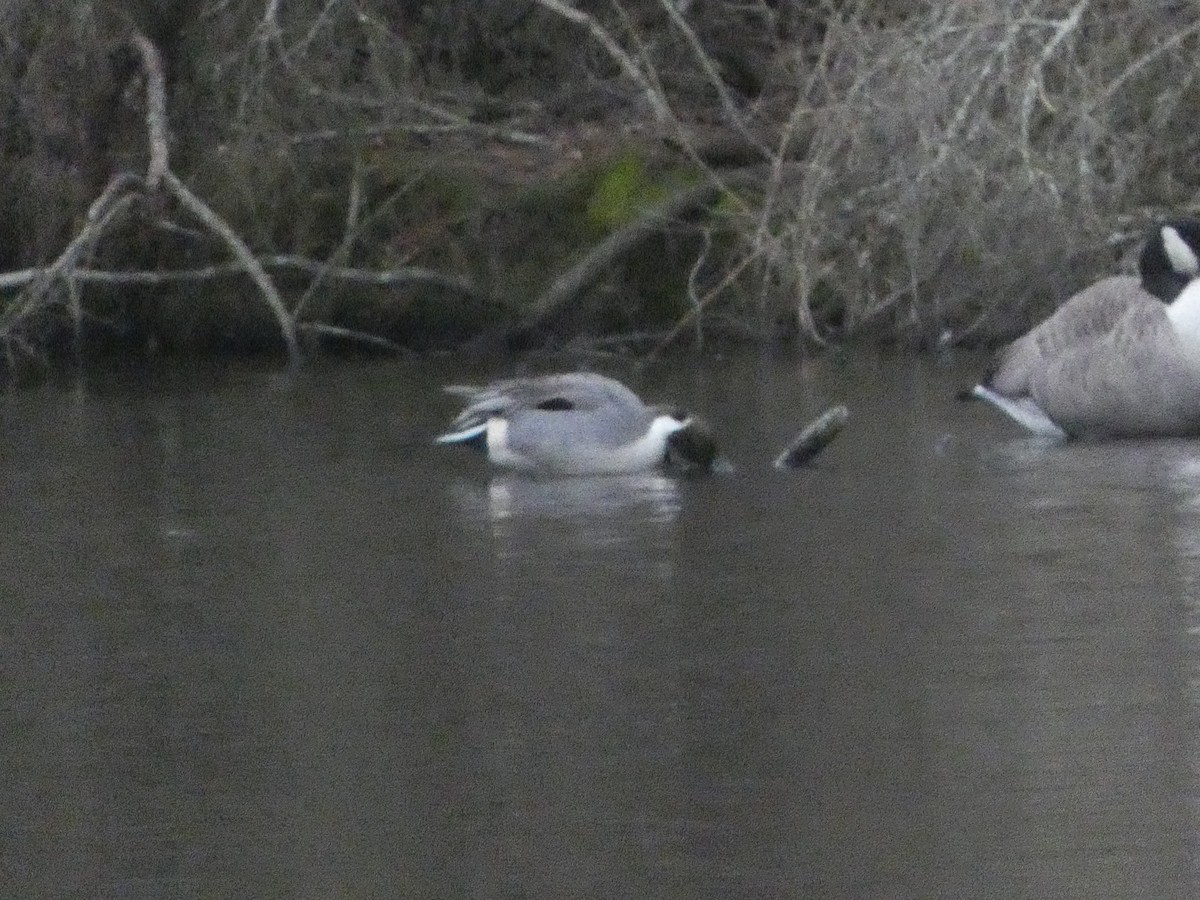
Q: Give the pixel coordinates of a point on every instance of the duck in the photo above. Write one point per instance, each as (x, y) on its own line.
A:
(1120, 358)
(577, 423)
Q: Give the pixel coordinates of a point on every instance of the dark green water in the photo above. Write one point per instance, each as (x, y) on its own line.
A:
(257, 639)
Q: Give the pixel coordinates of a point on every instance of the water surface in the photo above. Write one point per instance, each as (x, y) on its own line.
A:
(259, 638)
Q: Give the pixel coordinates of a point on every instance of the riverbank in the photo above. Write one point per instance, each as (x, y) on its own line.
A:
(233, 178)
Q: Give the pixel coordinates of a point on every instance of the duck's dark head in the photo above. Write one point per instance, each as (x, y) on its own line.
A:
(692, 449)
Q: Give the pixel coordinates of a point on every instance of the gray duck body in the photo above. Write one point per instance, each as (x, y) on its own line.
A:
(573, 423)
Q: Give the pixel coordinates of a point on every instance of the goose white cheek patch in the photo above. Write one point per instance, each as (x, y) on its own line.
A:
(1182, 257)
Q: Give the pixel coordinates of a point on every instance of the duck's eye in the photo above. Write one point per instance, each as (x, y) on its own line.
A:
(556, 404)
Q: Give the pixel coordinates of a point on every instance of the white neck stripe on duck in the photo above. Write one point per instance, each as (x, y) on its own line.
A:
(667, 423)
(1184, 313)
(1180, 254)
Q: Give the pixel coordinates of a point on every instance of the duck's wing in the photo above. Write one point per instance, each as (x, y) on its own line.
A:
(556, 413)
(552, 401)
(1133, 380)
(574, 391)
(1084, 317)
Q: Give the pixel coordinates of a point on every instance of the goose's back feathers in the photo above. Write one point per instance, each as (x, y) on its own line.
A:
(1087, 315)
(1135, 379)
(1115, 360)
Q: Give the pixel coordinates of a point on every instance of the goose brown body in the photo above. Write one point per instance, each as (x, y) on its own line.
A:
(1115, 360)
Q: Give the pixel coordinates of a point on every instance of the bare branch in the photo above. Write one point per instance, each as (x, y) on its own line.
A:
(349, 234)
(692, 315)
(1161, 48)
(156, 109)
(113, 200)
(714, 78)
(237, 246)
(1033, 84)
(350, 334)
(408, 275)
(601, 257)
(631, 69)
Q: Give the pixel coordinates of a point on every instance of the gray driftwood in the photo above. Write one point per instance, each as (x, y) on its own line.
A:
(813, 438)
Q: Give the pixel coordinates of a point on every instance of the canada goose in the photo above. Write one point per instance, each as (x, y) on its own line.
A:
(576, 424)
(1121, 358)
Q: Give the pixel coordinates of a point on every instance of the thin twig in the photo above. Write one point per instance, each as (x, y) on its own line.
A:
(1033, 85)
(350, 334)
(714, 78)
(730, 276)
(1164, 46)
(349, 235)
(692, 280)
(599, 260)
(653, 97)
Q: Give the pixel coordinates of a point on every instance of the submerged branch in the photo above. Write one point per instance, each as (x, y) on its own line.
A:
(813, 438)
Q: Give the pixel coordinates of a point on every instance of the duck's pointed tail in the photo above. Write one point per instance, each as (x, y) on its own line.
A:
(1021, 410)
(471, 435)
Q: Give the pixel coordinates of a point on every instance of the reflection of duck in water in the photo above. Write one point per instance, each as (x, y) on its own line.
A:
(577, 424)
(1119, 358)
